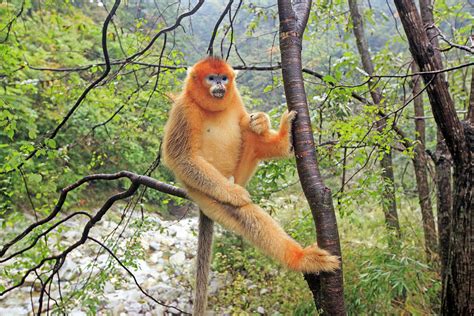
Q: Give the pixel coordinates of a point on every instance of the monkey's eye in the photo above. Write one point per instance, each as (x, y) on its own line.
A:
(210, 78)
(224, 78)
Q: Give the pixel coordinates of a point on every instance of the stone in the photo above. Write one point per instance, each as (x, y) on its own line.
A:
(17, 311)
(133, 307)
(69, 270)
(154, 246)
(77, 312)
(155, 257)
(178, 258)
(158, 311)
(109, 287)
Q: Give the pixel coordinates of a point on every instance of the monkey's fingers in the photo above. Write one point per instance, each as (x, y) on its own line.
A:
(292, 116)
(237, 196)
(288, 117)
(315, 259)
(259, 122)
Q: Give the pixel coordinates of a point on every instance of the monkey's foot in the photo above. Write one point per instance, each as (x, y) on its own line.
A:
(315, 259)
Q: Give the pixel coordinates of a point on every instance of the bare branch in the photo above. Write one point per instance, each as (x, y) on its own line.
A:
(59, 259)
(134, 278)
(78, 102)
(210, 49)
(108, 66)
(9, 25)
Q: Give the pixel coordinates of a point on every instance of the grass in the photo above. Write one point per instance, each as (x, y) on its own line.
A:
(378, 279)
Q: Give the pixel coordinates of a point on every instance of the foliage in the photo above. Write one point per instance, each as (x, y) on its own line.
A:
(120, 123)
(378, 279)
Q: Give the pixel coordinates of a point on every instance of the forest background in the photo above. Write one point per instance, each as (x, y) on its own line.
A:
(51, 52)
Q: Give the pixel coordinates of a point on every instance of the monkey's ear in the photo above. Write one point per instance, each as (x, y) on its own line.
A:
(189, 71)
(236, 72)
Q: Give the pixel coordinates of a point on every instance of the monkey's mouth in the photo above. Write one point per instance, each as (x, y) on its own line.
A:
(218, 93)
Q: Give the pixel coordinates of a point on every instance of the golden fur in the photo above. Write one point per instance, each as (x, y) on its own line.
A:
(209, 141)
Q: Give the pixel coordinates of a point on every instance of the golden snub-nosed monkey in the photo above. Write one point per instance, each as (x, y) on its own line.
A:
(210, 139)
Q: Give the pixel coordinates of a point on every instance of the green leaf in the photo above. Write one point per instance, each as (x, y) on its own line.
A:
(51, 143)
(35, 178)
(329, 79)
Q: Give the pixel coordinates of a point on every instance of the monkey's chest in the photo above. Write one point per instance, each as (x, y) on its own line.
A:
(221, 141)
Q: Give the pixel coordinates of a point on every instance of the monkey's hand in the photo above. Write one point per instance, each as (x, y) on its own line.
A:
(285, 128)
(236, 195)
(260, 123)
(287, 118)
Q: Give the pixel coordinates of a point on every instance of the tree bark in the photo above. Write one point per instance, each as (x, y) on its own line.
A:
(389, 203)
(421, 172)
(327, 288)
(442, 157)
(458, 280)
(444, 199)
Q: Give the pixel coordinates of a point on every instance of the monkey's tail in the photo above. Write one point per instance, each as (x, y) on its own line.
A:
(254, 224)
(203, 262)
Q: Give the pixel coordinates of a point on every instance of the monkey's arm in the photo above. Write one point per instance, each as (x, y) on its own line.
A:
(181, 155)
(261, 142)
(197, 173)
(268, 143)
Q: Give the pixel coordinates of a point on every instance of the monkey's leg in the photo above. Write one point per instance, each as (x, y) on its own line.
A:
(255, 225)
(203, 262)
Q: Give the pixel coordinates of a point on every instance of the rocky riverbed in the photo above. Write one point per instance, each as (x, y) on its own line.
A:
(165, 272)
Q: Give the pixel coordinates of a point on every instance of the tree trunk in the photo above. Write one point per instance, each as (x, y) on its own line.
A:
(389, 203)
(458, 292)
(470, 111)
(444, 199)
(327, 288)
(421, 172)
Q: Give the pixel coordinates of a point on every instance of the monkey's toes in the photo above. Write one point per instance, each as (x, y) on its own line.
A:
(316, 259)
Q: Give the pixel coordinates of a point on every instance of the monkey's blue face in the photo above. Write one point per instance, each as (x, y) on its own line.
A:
(217, 84)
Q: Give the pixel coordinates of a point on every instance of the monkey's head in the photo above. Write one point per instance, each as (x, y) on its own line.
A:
(210, 83)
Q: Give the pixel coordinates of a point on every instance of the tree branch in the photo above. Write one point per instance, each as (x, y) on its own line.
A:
(210, 49)
(59, 259)
(108, 64)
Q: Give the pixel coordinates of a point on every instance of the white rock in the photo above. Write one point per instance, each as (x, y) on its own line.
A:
(102, 258)
(77, 312)
(260, 310)
(182, 233)
(167, 241)
(72, 234)
(164, 277)
(154, 246)
(109, 287)
(149, 283)
(133, 307)
(178, 259)
(69, 270)
(17, 311)
(155, 257)
(158, 311)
